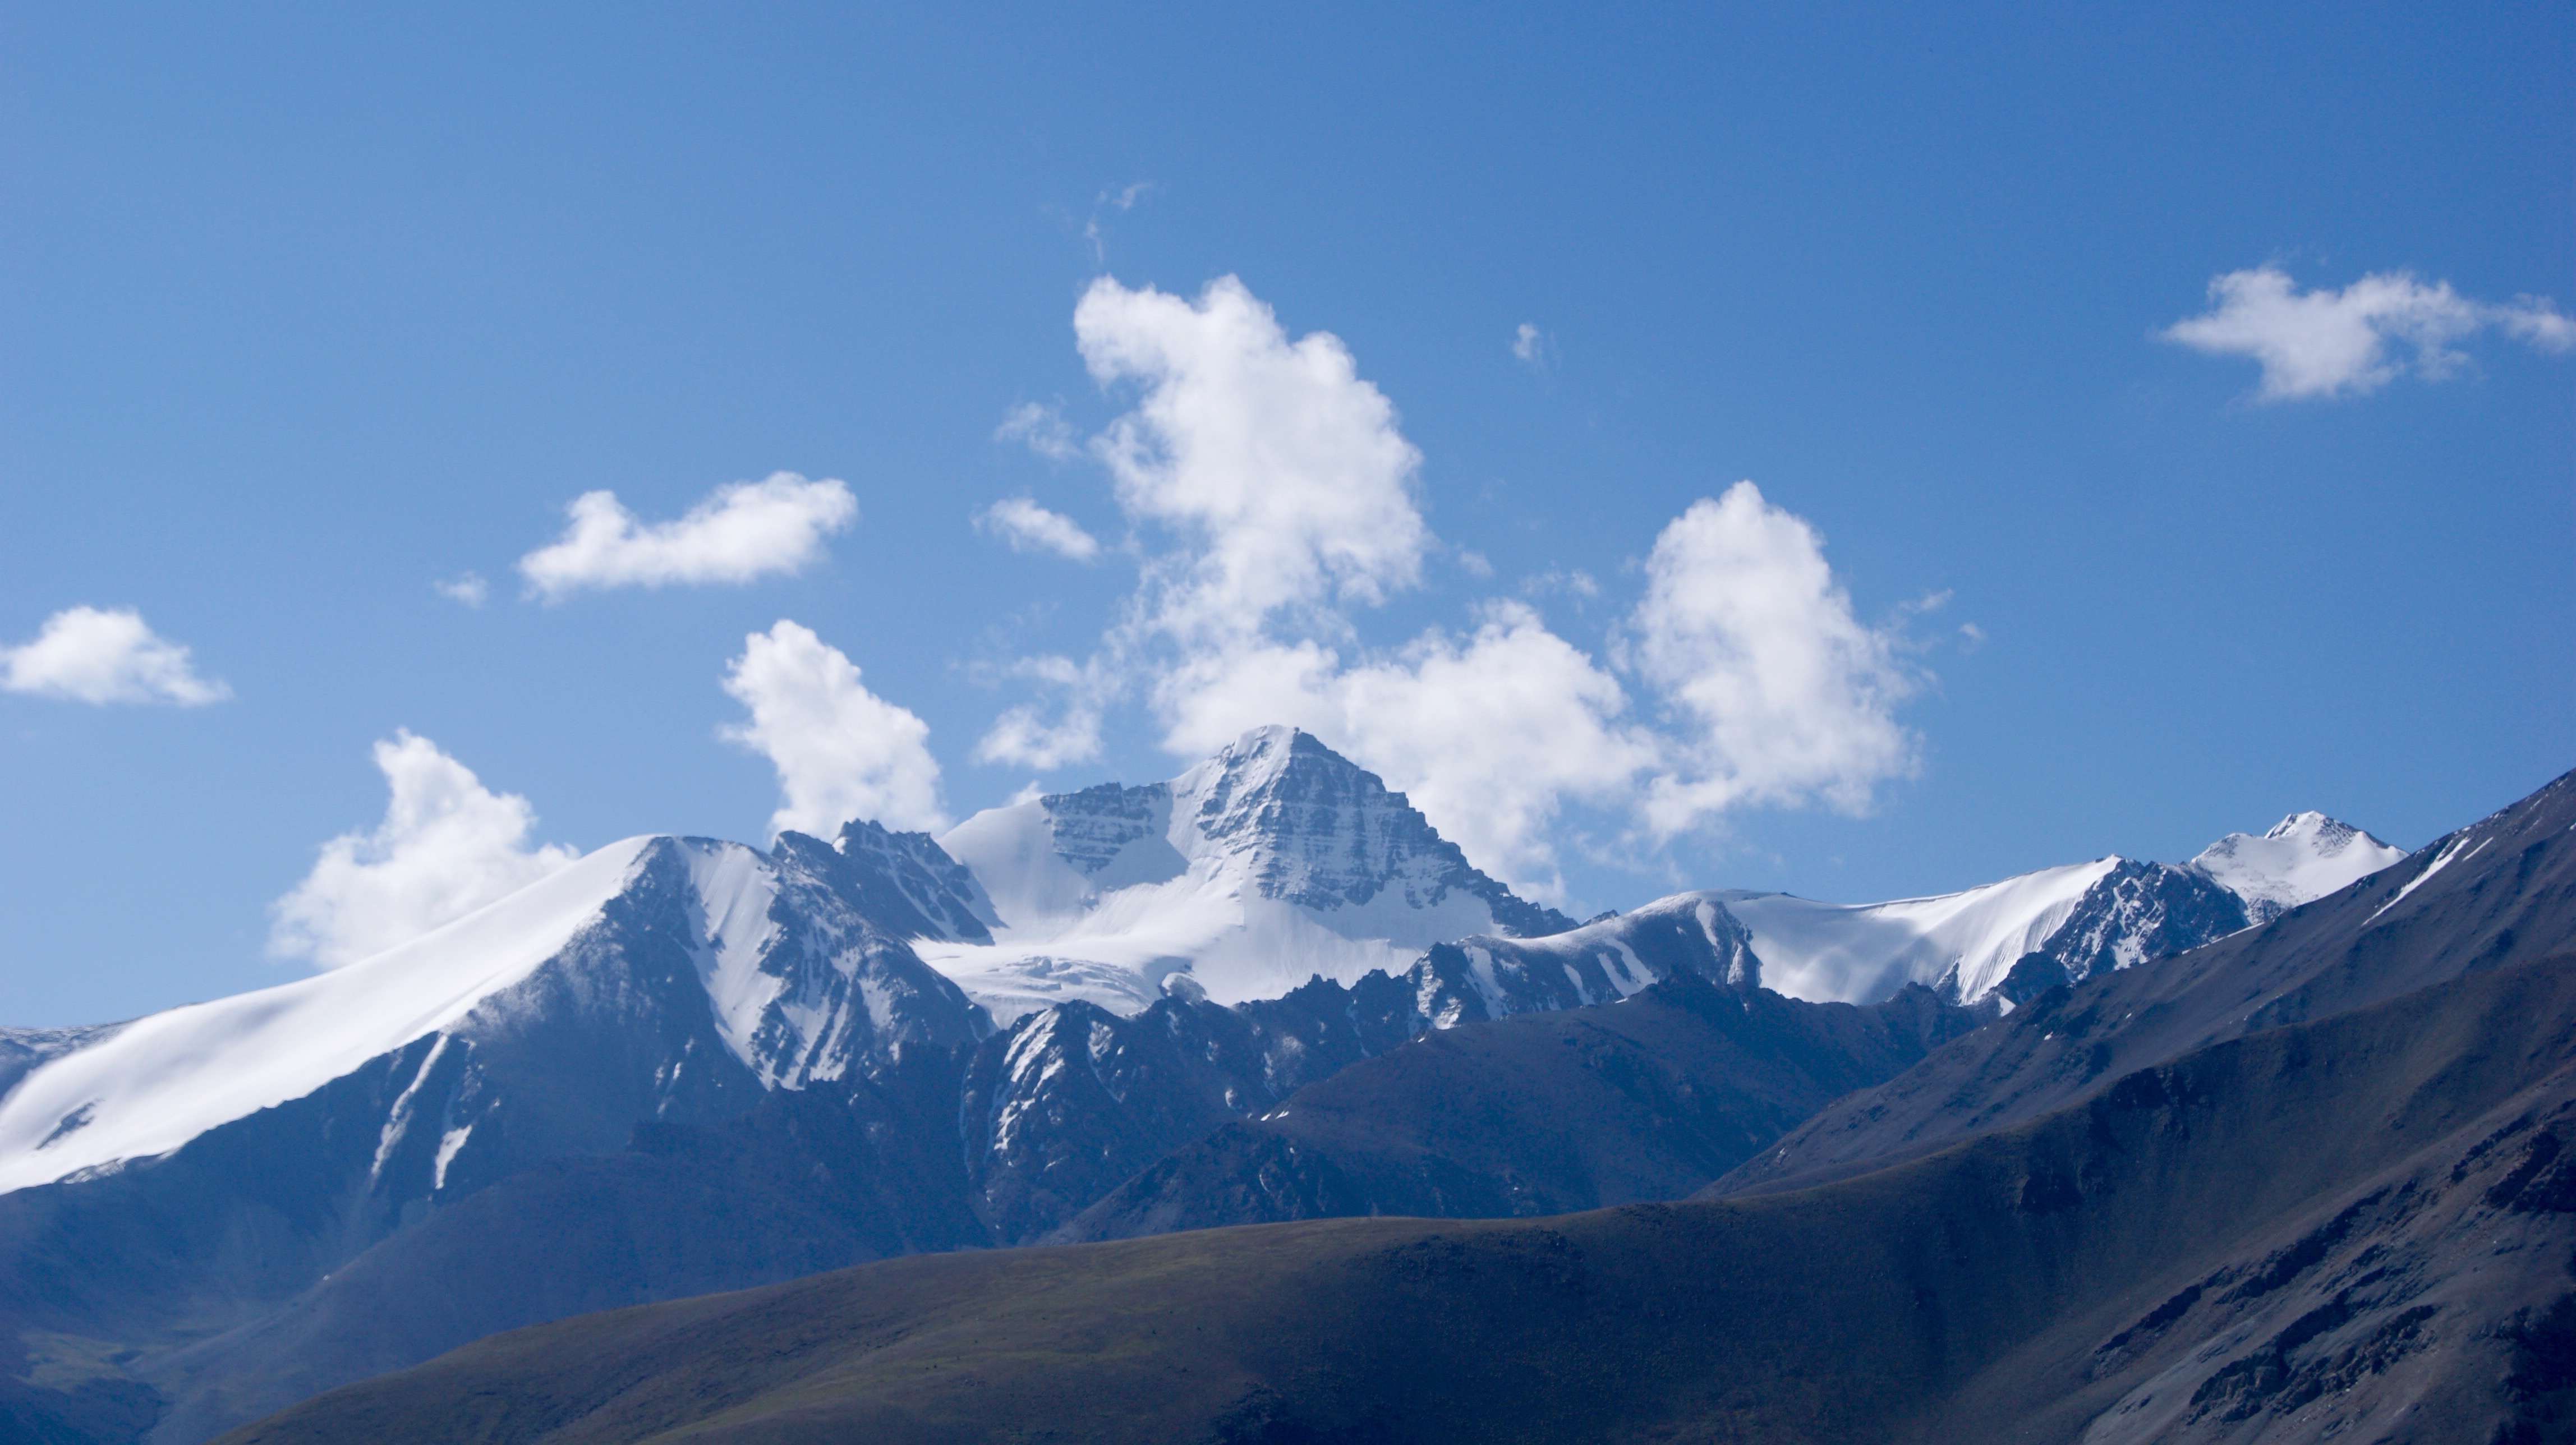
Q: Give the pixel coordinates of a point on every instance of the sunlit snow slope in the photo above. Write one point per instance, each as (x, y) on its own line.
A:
(1962, 943)
(798, 982)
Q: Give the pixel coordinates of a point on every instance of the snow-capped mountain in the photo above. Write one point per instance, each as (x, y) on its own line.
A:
(1274, 861)
(2305, 857)
(656, 977)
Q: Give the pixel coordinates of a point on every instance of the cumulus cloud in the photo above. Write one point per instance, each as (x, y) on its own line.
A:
(1529, 345)
(2325, 342)
(1280, 472)
(446, 847)
(1280, 493)
(1029, 527)
(841, 751)
(742, 531)
(100, 656)
(1779, 692)
(466, 587)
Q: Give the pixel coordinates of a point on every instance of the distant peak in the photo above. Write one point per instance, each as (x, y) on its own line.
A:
(2329, 833)
(1276, 744)
(2305, 856)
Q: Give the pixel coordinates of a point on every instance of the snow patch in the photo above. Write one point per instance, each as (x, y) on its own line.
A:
(448, 1143)
(2440, 861)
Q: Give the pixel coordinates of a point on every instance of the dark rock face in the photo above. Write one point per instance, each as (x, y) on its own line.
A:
(1096, 824)
(904, 883)
(2142, 911)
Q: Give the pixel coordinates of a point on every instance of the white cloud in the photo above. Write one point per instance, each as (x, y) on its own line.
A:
(466, 587)
(742, 531)
(2328, 343)
(1042, 429)
(1780, 694)
(1123, 199)
(1029, 527)
(841, 751)
(100, 656)
(1275, 482)
(1024, 737)
(446, 847)
(1278, 469)
(1529, 344)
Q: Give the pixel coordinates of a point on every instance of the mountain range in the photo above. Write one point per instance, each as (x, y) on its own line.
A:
(1265, 990)
(2310, 1182)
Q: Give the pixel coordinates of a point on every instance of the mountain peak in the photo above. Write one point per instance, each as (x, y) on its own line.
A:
(1274, 859)
(2303, 857)
(1323, 832)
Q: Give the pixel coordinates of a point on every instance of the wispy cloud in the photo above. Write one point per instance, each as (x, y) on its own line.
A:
(2324, 342)
(1122, 199)
(1042, 429)
(447, 846)
(841, 751)
(466, 587)
(1028, 527)
(740, 532)
(1529, 345)
(101, 656)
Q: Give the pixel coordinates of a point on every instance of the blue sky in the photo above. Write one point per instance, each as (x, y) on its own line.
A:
(304, 310)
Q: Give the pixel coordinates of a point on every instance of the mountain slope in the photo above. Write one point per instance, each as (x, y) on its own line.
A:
(2499, 891)
(1941, 1297)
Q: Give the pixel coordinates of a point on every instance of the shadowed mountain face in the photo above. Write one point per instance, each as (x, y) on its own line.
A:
(1536, 1114)
(2351, 1227)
